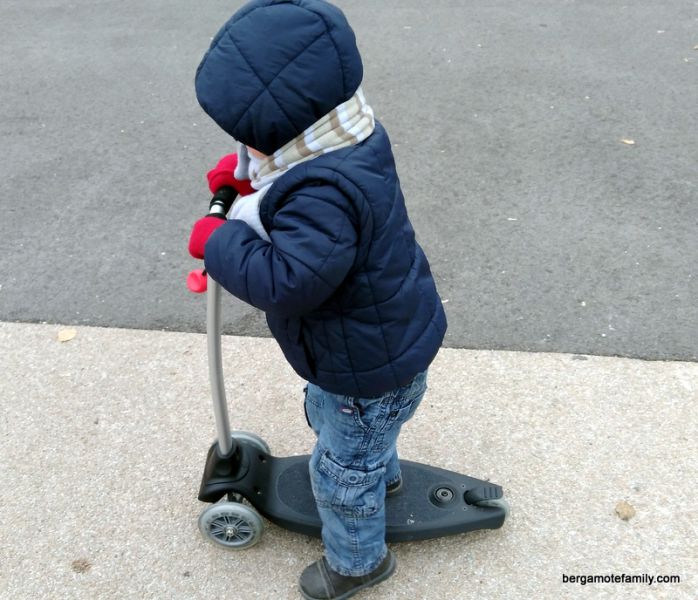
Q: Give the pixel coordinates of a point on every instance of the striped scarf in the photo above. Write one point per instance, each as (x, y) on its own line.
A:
(349, 123)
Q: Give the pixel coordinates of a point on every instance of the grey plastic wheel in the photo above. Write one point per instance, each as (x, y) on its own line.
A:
(231, 525)
(251, 438)
(499, 503)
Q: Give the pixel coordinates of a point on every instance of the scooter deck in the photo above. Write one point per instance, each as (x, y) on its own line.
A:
(431, 504)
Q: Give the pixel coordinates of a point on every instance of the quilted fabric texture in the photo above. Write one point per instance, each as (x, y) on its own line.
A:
(346, 289)
(275, 68)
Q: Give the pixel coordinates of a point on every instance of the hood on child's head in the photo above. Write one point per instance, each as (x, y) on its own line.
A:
(276, 67)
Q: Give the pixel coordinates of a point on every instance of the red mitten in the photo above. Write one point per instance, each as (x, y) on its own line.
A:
(200, 233)
(224, 175)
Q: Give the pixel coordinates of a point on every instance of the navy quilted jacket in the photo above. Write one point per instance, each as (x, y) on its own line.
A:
(346, 289)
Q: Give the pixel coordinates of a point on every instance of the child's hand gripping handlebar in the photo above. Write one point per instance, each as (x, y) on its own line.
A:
(203, 228)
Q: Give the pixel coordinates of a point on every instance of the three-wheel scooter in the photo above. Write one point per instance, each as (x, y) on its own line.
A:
(240, 467)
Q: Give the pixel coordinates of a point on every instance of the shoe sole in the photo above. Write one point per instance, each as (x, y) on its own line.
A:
(394, 492)
(380, 578)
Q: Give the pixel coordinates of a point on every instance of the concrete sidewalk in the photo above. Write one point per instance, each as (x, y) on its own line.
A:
(104, 439)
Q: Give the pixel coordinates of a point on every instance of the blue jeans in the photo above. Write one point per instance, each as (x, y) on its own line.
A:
(354, 459)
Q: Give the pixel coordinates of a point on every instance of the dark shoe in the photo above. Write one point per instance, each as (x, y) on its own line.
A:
(319, 582)
(393, 488)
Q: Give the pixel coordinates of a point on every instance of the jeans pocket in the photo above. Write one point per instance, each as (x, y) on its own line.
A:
(416, 388)
(406, 402)
(359, 414)
(314, 395)
(350, 492)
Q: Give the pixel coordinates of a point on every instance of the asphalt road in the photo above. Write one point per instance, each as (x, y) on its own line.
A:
(545, 230)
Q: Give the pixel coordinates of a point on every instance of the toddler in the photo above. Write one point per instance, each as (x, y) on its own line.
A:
(320, 240)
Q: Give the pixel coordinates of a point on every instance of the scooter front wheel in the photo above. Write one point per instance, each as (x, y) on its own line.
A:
(231, 525)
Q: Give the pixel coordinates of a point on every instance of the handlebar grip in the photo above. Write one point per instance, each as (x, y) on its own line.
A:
(197, 281)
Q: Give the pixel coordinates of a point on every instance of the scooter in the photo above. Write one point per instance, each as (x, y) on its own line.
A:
(239, 466)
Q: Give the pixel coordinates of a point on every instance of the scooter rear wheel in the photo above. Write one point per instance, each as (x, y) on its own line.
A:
(251, 438)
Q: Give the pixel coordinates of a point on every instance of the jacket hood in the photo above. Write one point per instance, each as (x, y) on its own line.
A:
(275, 68)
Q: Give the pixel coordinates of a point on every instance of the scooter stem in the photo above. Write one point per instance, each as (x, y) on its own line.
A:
(215, 366)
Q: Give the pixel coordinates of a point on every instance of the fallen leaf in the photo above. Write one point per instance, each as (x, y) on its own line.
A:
(81, 565)
(65, 335)
(628, 142)
(625, 510)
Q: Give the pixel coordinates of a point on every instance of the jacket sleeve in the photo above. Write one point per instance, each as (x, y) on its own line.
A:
(312, 248)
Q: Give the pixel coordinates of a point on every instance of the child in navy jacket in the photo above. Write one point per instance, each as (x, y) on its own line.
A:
(319, 239)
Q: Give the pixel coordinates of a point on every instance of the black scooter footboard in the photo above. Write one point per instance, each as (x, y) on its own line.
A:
(431, 504)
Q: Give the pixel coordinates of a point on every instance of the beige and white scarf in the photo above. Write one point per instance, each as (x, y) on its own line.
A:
(348, 124)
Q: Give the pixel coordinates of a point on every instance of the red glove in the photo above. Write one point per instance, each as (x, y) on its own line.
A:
(200, 233)
(224, 175)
